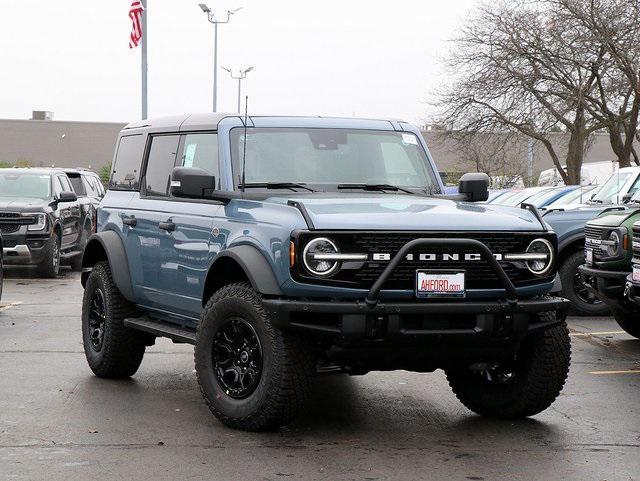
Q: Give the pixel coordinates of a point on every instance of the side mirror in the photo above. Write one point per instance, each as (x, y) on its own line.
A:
(191, 182)
(67, 196)
(475, 186)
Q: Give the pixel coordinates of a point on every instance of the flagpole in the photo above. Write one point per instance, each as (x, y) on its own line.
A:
(145, 37)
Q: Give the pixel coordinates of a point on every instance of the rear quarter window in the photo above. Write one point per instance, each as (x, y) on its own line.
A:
(126, 167)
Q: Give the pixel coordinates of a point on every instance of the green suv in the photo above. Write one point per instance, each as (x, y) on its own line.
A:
(608, 254)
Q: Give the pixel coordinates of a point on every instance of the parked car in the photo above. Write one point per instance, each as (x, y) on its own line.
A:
(89, 189)
(573, 198)
(280, 244)
(590, 173)
(517, 197)
(1, 265)
(39, 218)
(547, 196)
(569, 224)
(608, 256)
(629, 318)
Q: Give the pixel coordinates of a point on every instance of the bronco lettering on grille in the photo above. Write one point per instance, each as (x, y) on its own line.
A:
(430, 257)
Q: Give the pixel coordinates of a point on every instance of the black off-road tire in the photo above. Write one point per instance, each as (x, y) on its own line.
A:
(50, 265)
(628, 321)
(288, 365)
(542, 369)
(568, 271)
(122, 348)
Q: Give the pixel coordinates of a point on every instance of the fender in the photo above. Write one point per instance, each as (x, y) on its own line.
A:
(108, 243)
(570, 240)
(255, 266)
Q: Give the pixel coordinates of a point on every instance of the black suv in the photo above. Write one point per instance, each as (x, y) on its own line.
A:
(42, 218)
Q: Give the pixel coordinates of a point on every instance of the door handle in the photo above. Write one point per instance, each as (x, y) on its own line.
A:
(167, 225)
(130, 221)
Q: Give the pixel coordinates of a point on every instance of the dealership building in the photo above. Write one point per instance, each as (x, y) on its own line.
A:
(44, 142)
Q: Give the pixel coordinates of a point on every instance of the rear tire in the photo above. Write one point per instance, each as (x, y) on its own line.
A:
(583, 303)
(112, 350)
(628, 321)
(538, 375)
(252, 375)
(50, 266)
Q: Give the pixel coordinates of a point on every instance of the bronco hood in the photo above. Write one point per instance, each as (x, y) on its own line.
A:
(613, 218)
(409, 212)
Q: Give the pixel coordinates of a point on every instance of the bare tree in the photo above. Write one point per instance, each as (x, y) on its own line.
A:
(518, 66)
(500, 155)
(614, 26)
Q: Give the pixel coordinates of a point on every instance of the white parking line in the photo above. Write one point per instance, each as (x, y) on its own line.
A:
(604, 373)
(587, 334)
(9, 305)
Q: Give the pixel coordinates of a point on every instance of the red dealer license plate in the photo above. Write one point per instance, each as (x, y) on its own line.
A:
(439, 284)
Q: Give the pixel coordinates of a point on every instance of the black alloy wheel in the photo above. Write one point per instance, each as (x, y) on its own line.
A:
(237, 358)
(582, 293)
(97, 317)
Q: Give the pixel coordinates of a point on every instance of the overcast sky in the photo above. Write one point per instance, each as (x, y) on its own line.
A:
(350, 57)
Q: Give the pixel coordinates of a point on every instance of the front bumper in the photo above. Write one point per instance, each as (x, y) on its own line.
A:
(24, 249)
(374, 319)
(392, 320)
(608, 286)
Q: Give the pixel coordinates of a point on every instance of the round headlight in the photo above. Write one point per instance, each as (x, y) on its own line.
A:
(615, 241)
(313, 254)
(541, 265)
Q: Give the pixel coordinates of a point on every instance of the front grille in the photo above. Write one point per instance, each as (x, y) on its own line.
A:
(636, 245)
(593, 232)
(478, 274)
(14, 218)
(9, 228)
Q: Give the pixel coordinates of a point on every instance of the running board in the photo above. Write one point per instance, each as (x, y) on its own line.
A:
(162, 329)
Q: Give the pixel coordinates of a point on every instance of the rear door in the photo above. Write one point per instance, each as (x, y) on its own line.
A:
(69, 212)
(150, 239)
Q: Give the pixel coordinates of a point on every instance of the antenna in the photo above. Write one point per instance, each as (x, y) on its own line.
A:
(244, 144)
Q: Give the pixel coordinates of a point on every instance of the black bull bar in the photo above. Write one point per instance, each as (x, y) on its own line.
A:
(306, 314)
(485, 253)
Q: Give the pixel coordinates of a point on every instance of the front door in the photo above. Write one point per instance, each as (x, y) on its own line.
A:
(185, 269)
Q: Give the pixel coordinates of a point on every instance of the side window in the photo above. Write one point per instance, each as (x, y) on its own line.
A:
(201, 150)
(77, 184)
(636, 185)
(162, 159)
(88, 185)
(57, 186)
(126, 168)
(65, 184)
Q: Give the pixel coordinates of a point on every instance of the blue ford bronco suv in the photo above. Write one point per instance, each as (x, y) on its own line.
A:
(285, 246)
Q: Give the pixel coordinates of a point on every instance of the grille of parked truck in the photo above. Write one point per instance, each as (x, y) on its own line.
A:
(284, 246)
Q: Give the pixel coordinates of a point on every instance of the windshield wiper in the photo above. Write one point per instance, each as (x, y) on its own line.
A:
(276, 185)
(376, 187)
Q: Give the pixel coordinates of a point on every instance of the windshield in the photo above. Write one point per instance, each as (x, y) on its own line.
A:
(325, 158)
(578, 196)
(611, 187)
(19, 184)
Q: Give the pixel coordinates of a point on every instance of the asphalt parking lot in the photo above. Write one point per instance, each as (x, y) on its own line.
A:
(59, 422)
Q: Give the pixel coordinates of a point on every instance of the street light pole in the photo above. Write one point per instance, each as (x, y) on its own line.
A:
(240, 77)
(215, 21)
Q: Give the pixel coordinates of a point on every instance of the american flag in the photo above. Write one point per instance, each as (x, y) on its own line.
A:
(135, 14)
